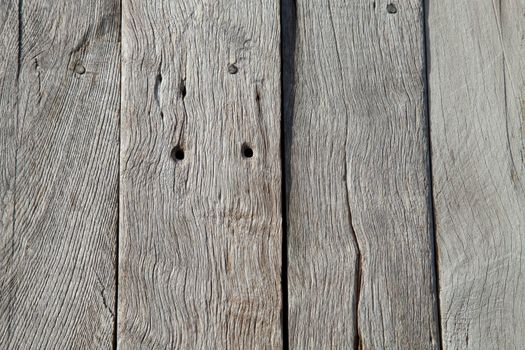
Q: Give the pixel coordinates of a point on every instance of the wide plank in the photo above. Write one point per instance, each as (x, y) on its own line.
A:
(477, 114)
(360, 241)
(201, 228)
(58, 283)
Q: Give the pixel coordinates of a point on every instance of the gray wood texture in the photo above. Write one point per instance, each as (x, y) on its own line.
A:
(125, 157)
(60, 88)
(200, 237)
(477, 107)
(8, 97)
(359, 234)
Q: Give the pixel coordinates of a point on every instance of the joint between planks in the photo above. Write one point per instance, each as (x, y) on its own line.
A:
(432, 214)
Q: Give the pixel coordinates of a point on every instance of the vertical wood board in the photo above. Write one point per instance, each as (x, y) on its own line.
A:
(200, 237)
(477, 110)
(60, 272)
(360, 238)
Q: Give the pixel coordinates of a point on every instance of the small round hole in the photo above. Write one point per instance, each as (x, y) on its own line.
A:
(232, 69)
(177, 153)
(391, 8)
(247, 151)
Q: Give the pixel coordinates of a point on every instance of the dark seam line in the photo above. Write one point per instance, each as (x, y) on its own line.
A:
(284, 204)
(284, 253)
(20, 32)
(288, 20)
(431, 206)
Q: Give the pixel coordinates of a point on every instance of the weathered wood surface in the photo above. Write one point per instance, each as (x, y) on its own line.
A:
(58, 274)
(200, 237)
(8, 97)
(360, 238)
(199, 262)
(477, 106)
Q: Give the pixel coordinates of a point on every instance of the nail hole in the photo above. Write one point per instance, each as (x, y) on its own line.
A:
(247, 151)
(232, 69)
(177, 153)
(80, 69)
(391, 8)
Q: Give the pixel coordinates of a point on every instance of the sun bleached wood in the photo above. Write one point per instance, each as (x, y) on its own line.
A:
(200, 237)
(359, 233)
(477, 106)
(8, 97)
(58, 250)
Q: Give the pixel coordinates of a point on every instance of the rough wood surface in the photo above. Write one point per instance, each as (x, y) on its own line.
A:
(477, 106)
(8, 97)
(58, 274)
(360, 237)
(200, 237)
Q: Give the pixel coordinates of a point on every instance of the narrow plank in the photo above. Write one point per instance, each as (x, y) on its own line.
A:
(360, 238)
(8, 97)
(61, 270)
(477, 99)
(200, 237)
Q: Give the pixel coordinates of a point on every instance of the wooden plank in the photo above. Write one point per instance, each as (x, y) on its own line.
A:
(477, 89)
(61, 267)
(8, 96)
(360, 237)
(200, 237)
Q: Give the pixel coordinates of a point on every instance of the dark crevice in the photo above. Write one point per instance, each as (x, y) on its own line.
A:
(431, 206)
(288, 39)
(358, 264)
(20, 34)
(156, 90)
(158, 81)
(39, 79)
(182, 88)
(116, 264)
(358, 281)
(258, 101)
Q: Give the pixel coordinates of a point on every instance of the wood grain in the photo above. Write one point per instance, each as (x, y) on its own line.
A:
(477, 105)
(360, 237)
(200, 237)
(58, 280)
(8, 98)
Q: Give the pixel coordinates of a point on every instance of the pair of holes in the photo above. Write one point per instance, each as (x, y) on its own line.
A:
(177, 153)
